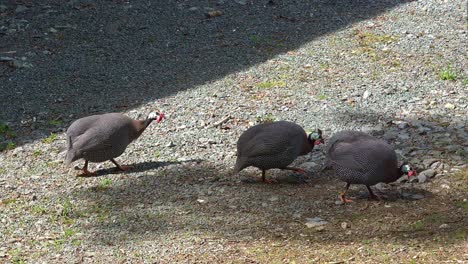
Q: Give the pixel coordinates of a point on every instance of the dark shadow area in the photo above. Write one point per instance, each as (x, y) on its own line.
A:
(68, 59)
(136, 167)
(205, 201)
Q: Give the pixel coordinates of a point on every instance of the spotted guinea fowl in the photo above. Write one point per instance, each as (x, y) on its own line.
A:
(359, 158)
(274, 145)
(98, 138)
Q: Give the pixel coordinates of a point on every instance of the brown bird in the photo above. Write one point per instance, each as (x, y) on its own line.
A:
(274, 145)
(359, 158)
(98, 138)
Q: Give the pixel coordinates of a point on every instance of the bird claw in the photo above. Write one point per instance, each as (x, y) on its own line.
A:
(344, 199)
(86, 173)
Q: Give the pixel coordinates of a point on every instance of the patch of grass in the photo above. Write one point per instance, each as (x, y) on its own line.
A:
(37, 152)
(369, 39)
(104, 184)
(462, 204)
(4, 128)
(38, 209)
(9, 201)
(67, 208)
(52, 164)
(459, 234)
(67, 233)
(266, 118)
(448, 74)
(418, 225)
(16, 256)
(152, 39)
(51, 138)
(10, 145)
(465, 81)
(55, 122)
(157, 154)
(321, 96)
(271, 84)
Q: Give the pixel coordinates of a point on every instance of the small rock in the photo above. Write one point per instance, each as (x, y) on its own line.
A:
(412, 179)
(429, 173)
(428, 162)
(344, 225)
(170, 144)
(412, 196)
(403, 136)
(315, 222)
(274, 198)
(214, 13)
(449, 106)
(366, 95)
(445, 186)
(194, 8)
(241, 2)
(438, 166)
(21, 9)
(53, 30)
(422, 178)
(201, 201)
(444, 226)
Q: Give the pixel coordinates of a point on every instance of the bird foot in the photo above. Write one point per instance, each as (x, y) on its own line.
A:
(86, 173)
(344, 199)
(268, 181)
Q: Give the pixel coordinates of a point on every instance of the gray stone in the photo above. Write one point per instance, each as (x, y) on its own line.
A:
(422, 178)
(404, 136)
(366, 95)
(444, 226)
(241, 2)
(402, 179)
(315, 222)
(20, 9)
(412, 196)
(429, 173)
(428, 162)
(344, 225)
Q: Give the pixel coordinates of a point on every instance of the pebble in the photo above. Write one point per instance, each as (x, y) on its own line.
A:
(422, 178)
(274, 198)
(344, 225)
(241, 2)
(315, 222)
(366, 95)
(412, 196)
(444, 226)
(428, 173)
(449, 106)
(21, 9)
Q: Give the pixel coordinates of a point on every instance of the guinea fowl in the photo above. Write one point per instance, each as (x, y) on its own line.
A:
(274, 145)
(359, 158)
(98, 138)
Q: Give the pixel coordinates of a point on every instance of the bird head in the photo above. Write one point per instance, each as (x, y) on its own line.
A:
(158, 116)
(406, 169)
(315, 137)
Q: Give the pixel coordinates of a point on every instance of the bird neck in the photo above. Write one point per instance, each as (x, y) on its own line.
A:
(140, 126)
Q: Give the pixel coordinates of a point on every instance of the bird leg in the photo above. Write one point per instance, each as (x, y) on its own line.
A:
(299, 170)
(121, 167)
(85, 171)
(264, 179)
(342, 195)
(372, 196)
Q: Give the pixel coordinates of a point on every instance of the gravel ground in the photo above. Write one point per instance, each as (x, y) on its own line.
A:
(396, 69)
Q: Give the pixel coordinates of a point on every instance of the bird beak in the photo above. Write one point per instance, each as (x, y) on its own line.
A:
(411, 173)
(160, 117)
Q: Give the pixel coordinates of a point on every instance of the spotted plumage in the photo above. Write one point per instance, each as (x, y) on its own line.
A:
(98, 138)
(273, 145)
(359, 158)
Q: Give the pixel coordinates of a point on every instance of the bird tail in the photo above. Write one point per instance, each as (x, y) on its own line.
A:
(70, 156)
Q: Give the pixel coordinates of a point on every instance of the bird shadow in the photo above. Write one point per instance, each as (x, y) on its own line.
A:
(135, 167)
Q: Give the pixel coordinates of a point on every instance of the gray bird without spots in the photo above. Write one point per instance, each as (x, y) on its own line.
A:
(98, 138)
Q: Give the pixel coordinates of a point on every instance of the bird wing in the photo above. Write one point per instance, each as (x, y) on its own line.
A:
(343, 154)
